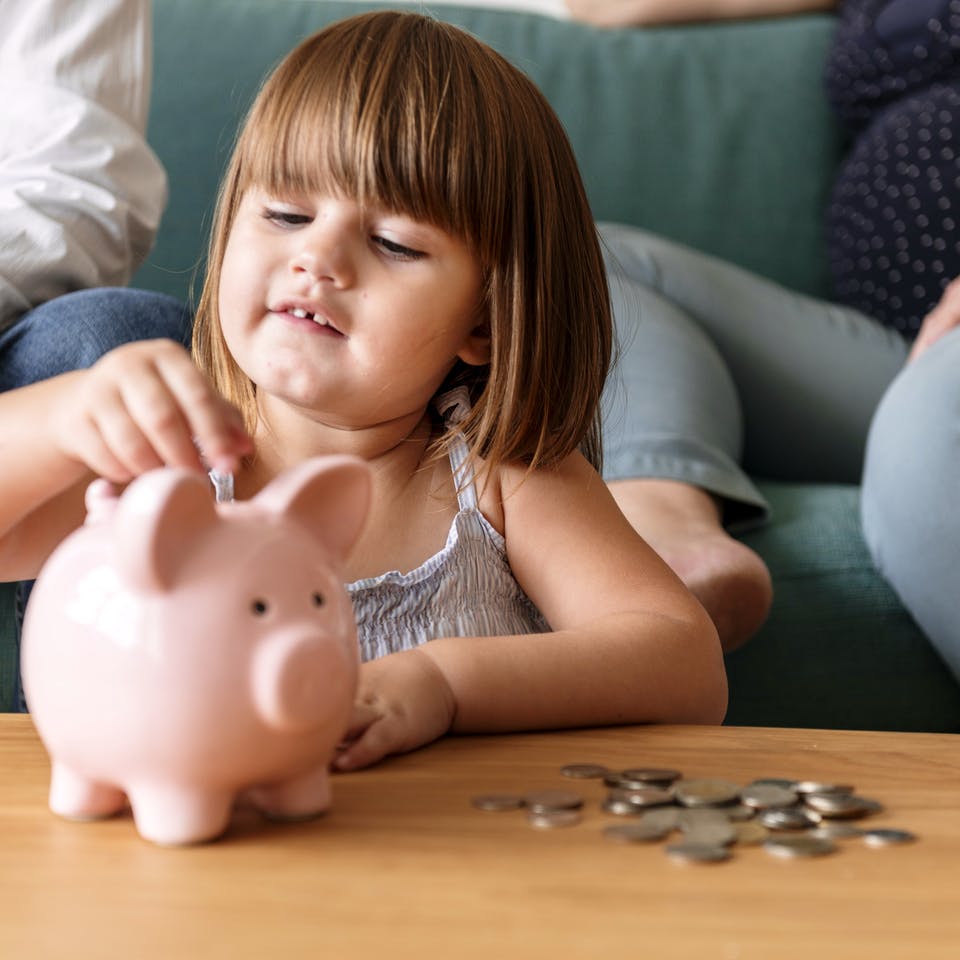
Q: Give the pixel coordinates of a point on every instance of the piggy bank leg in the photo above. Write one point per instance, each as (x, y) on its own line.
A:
(78, 798)
(298, 799)
(173, 816)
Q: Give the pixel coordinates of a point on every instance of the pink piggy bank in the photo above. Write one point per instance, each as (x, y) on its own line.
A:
(179, 653)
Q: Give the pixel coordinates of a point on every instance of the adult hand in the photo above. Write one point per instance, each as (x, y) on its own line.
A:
(623, 13)
(940, 320)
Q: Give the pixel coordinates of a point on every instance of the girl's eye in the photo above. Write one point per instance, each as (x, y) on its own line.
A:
(286, 218)
(396, 250)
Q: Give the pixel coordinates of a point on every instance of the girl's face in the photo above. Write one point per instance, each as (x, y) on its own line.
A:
(353, 315)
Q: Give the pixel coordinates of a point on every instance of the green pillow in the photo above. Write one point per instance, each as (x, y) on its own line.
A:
(718, 136)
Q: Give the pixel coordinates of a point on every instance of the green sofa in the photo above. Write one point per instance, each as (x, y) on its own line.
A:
(715, 135)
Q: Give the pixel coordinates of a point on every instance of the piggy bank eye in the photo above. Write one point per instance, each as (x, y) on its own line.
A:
(258, 607)
(318, 599)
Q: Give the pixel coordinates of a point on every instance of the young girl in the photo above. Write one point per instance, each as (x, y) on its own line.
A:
(404, 267)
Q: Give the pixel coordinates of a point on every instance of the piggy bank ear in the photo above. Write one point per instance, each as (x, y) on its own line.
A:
(159, 516)
(329, 496)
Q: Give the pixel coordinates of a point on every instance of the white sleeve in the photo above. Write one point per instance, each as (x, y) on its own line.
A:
(81, 193)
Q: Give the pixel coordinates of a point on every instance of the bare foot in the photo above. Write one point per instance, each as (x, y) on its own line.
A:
(682, 523)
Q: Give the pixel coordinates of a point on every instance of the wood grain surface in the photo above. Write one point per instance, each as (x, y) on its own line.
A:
(403, 866)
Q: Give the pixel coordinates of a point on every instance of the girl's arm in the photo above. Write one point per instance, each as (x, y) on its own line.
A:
(630, 643)
(622, 13)
(139, 407)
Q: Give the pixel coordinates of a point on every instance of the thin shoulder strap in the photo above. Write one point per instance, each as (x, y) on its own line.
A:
(453, 407)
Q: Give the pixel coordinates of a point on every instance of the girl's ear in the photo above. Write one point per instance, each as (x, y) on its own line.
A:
(475, 350)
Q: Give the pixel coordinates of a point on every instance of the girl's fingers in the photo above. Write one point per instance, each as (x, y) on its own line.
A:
(372, 745)
(124, 438)
(153, 408)
(96, 454)
(146, 405)
(162, 423)
(211, 422)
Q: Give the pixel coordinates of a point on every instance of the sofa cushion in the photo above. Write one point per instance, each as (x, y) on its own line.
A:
(838, 651)
(679, 129)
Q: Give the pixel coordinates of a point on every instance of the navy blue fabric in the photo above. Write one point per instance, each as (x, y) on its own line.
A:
(72, 332)
(893, 78)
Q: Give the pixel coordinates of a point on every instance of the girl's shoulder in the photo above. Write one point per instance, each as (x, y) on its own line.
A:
(513, 487)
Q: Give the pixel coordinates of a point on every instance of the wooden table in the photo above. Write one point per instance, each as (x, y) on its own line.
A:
(404, 866)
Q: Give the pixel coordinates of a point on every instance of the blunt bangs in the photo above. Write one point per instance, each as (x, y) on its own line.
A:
(403, 113)
(352, 110)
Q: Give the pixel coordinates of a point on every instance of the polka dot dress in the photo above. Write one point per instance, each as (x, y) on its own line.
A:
(893, 78)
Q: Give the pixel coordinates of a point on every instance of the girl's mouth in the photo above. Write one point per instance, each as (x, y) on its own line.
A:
(307, 315)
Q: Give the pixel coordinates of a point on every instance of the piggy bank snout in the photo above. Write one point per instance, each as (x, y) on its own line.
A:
(297, 676)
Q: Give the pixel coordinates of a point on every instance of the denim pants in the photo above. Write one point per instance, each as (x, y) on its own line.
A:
(723, 375)
(73, 332)
(909, 502)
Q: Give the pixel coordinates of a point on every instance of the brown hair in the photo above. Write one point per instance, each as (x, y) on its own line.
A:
(415, 115)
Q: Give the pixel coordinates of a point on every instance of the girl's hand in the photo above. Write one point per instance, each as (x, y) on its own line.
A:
(403, 702)
(146, 405)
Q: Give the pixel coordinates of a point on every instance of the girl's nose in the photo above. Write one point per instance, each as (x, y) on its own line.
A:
(324, 259)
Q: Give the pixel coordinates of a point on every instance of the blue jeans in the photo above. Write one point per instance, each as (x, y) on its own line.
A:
(72, 332)
(909, 500)
(722, 375)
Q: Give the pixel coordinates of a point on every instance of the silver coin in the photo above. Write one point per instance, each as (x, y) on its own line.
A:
(841, 805)
(772, 782)
(711, 834)
(584, 771)
(706, 792)
(815, 786)
(738, 812)
(665, 818)
(552, 819)
(617, 781)
(749, 833)
(693, 818)
(639, 832)
(887, 836)
(646, 797)
(836, 830)
(497, 801)
(766, 796)
(801, 845)
(222, 486)
(787, 818)
(655, 775)
(545, 801)
(620, 808)
(697, 853)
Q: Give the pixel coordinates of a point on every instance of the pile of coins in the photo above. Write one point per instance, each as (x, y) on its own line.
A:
(787, 818)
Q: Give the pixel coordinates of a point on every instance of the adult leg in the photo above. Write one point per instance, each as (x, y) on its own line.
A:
(672, 442)
(909, 498)
(720, 367)
(809, 374)
(72, 332)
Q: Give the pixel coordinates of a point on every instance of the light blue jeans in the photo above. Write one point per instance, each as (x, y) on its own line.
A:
(909, 503)
(73, 332)
(723, 376)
